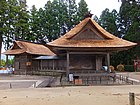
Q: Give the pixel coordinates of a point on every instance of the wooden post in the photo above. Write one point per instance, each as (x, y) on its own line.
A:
(41, 65)
(10, 86)
(34, 85)
(68, 61)
(132, 98)
(108, 62)
(53, 64)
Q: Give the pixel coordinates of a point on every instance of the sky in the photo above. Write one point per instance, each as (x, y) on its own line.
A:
(96, 6)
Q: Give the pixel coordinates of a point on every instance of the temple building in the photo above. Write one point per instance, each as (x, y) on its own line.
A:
(85, 48)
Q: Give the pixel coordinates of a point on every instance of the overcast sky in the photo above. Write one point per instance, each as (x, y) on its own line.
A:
(96, 6)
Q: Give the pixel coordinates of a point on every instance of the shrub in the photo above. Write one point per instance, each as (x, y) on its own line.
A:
(129, 68)
(120, 67)
(111, 68)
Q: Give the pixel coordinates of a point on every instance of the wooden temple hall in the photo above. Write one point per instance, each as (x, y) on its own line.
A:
(84, 49)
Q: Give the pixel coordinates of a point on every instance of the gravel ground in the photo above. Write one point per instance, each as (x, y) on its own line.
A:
(20, 81)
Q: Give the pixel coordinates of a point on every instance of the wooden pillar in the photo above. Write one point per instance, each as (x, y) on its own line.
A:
(108, 62)
(53, 64)
(41, 64)
(68, 61)
(98, 62)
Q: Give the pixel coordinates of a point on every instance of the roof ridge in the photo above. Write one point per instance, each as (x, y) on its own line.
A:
(82, 23)
(21, 45)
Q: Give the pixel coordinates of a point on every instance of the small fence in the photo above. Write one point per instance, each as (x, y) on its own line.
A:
(127, 80)
(91, 79)
(99, 79)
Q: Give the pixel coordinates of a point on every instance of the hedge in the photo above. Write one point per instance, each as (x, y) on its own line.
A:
(129, 68)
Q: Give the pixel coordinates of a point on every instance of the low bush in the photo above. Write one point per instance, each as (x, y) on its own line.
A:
(112, 68)
(120, 67)
(129, 68)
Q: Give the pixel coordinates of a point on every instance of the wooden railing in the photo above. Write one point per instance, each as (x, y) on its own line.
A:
(92, 79)
(49, 72)
(47, 68)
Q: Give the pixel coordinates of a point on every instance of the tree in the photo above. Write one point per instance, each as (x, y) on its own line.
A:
(10, 17)
(35, 25)
(130, 26)
(82, 10)
(3, 6)
(96, 19)
(72, 18)
(22, 24)
(3, 62)
(49, 20)
(14, 21)
(109, 21)
(10, 20)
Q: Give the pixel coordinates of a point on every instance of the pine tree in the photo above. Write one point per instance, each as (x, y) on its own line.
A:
(22, 25)
(49, 20)
(10, 16)
(72, 19)
(3, 8)
(130, 26)
(82, 9)
(35, 28)
(109, 21)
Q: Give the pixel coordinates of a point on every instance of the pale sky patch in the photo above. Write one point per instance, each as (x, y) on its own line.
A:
(96, 6)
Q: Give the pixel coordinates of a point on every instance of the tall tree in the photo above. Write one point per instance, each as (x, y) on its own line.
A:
(82, 9)
(72, 19)
(22, 26)
(3, 8)
(35, 28)
(10, 16)
(49, 20)
(130, 25)
(109, 21)
(2, 13)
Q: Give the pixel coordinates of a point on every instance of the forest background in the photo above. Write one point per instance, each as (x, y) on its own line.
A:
(59, 16)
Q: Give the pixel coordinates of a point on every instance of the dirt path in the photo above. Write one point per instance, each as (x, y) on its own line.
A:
(91, 95)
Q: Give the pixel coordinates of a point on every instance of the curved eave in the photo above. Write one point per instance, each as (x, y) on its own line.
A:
(14, 52)
(115, 43)
(33, 53)
(99, 48)
(20, 51)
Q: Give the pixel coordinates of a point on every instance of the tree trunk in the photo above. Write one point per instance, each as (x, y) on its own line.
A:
(0, 47)
(7, 61)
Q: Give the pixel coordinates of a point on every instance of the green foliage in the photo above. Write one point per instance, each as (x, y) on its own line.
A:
(11, 61)
(109, 20)
(130, 26)
(3, 5)
(14, 21)
(57, 18)
(36, 33)
(3, 62)
(125, 24)
(22, 25)
(129, 68)
(72, 19)
(48, 23)
(82, 9)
